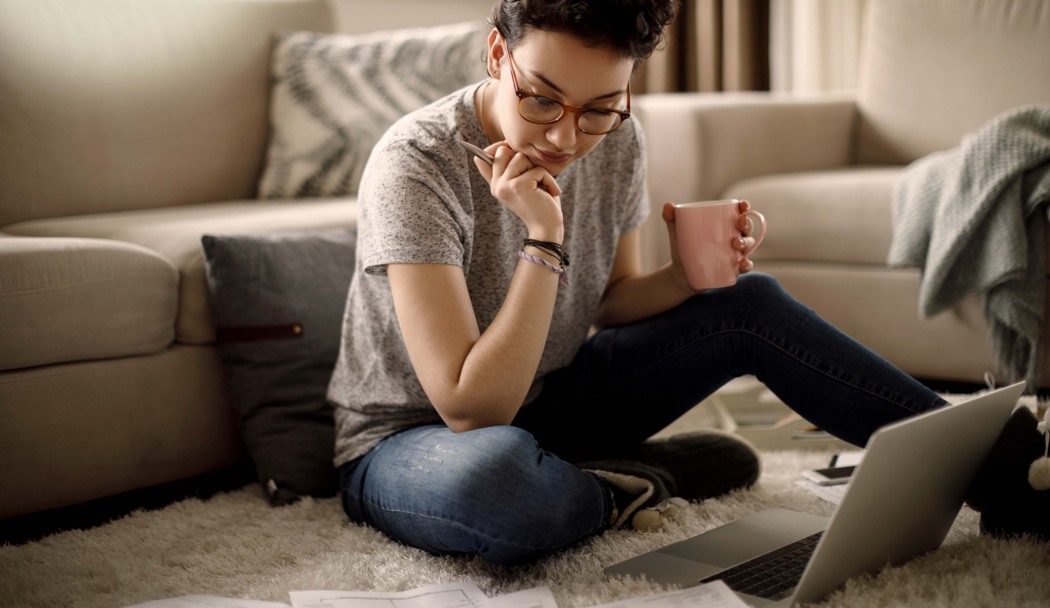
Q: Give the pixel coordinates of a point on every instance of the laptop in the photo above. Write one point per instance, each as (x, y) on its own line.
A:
(902, 500)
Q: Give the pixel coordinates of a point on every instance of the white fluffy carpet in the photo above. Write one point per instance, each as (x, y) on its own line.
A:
(234, 545)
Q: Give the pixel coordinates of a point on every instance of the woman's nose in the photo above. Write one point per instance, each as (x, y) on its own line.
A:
(563, 132)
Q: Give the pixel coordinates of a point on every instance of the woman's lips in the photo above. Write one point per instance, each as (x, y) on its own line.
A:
(553, 158)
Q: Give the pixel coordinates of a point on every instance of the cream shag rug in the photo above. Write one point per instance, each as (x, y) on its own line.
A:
(235, 545)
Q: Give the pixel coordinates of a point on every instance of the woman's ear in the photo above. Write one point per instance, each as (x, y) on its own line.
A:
(494, 57)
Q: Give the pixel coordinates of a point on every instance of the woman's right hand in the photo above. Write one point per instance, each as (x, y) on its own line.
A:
(527, 190)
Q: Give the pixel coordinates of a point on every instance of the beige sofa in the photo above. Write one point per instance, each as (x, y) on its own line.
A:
(129, 129)
(822, 168)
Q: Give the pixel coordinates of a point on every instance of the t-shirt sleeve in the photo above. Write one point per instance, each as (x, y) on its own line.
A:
(637, 199)
(404, 217)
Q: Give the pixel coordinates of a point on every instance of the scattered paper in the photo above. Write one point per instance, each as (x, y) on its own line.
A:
(537, 597)
(847, 459)
(709, 595)
(464, 594)
(207, 601)
(449, 595)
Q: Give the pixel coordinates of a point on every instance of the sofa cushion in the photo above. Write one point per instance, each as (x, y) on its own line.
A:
(841, 215)
(335, 95)
(175, 233)
(278, 302)
(75, 299)
(935, 70)
(113, 105)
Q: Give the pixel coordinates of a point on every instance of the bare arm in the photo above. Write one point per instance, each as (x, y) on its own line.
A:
(631, 296)
(475, 379)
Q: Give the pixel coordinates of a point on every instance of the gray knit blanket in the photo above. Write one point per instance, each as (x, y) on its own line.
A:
(973, 218)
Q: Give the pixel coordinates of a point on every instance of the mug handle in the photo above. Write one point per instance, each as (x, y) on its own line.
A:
(761, 231)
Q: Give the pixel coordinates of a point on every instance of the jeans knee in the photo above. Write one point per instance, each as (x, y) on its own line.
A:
(760, 283)
(503, 449)
(488, 459)
(763, 295)
(506, 495)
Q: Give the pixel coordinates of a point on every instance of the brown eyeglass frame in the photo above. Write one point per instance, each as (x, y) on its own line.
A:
(565, 108)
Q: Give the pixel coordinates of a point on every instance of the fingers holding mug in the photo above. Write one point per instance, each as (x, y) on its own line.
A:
(744, 222)
(746, 265)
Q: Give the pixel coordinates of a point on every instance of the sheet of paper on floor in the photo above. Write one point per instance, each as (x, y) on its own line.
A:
(465, 594)
(207, 601)
(537, 597)
(710, 595)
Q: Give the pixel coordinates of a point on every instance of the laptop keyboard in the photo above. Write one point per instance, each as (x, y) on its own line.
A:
(773, 575)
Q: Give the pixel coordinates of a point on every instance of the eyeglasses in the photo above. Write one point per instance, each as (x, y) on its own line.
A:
(541, 110)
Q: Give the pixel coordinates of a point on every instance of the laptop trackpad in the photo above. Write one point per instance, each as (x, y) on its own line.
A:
(748, 537)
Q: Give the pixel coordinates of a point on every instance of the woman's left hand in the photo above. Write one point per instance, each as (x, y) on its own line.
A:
(742, 244)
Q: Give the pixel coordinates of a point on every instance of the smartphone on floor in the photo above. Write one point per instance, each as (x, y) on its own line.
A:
(830, 476)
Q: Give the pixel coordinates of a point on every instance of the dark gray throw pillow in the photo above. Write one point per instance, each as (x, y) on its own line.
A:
(278, 301)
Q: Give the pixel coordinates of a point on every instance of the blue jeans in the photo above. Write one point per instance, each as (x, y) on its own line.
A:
(511, 494)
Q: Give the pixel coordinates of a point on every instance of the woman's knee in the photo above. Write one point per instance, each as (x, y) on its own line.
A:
(510, 490)
(763, 295)
(483, 465)
(499, 451)
(760, 283)
(754, 292)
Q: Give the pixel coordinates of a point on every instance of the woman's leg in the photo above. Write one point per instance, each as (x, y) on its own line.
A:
(491, 491)
(497, 493)
(629, 382)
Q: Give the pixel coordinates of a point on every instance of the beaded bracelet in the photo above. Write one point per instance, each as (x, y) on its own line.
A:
(563, 275)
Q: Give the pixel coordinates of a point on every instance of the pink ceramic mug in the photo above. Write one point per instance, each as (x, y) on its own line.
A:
(705, 232)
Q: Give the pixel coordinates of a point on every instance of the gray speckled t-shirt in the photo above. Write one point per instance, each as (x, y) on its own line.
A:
(422, 200)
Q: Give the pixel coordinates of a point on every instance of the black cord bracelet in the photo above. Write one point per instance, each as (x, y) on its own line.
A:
(554, 249)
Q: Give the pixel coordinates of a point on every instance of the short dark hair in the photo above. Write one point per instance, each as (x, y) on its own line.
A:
(633, 28)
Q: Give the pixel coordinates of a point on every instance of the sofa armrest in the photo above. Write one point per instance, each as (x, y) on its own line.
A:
(701, 143)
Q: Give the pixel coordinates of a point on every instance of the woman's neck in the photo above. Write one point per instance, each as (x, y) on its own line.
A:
(484, 102)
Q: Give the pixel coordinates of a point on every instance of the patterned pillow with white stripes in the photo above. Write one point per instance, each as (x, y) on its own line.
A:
(333, 96)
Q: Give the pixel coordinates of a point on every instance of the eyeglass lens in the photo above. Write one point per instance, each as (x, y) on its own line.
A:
(542, 110)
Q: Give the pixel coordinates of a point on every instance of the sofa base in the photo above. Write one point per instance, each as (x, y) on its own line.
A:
(82, 431)
(31, 527)
(878, 307)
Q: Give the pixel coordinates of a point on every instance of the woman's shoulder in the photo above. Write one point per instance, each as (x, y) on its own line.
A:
(433, 125)
(420, 149)
(425, 140)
